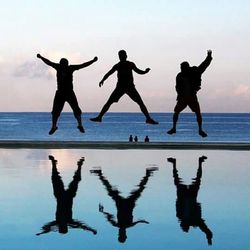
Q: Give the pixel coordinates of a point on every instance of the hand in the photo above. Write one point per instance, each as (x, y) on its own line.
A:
(38, 56)
(101, 83)
(95, 59)
(147, 70)
(209, 52)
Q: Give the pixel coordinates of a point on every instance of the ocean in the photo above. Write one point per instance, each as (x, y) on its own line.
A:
(221, 127)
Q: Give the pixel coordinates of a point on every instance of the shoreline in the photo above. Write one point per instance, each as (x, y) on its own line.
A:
(18, 144)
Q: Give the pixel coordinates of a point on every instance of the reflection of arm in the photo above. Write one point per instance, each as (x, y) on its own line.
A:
(175, 171)
(83, 65)
(74, 183)
(47, 61)
(203, 227)
(110, 218)
(137, 193)
(57, 182)
(47, 227)
(112, 192)
(139, 71)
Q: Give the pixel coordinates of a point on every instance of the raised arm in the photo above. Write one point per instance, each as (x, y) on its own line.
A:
(47, 61)
(139, 71)
(83, 65)
(203, 66)
(106, 76)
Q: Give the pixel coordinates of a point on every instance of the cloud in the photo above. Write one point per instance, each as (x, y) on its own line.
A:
(242, 90)
(31, 69)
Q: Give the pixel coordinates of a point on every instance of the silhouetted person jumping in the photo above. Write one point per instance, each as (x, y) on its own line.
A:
(188, 83)
(188, 210)
(64, 200)
(125, 206)
(125, 85)
(65, 92)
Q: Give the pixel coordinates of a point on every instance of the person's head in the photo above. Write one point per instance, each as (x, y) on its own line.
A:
(64, 62)
(122, 55)
(184, 67)
(122, 235)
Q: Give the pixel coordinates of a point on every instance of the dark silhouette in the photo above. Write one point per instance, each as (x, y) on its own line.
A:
(65, 92)
(64, 200)
(125, 85)
(136, 139)
(188, 83)
(125, 206)
(130, 139)
(146, 139)
(188, 210)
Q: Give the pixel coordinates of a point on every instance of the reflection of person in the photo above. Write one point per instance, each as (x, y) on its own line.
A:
(188, 210)
(125, 206)
(125, 85)
(188, 83)
(64, 200)
(65, 92)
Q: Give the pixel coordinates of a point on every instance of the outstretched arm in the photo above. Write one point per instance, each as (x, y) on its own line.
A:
(47, 61)
(139, 71)
(106, 76)
(203, 66)
(83, 65)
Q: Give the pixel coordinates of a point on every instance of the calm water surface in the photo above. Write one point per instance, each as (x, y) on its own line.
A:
(124, 199)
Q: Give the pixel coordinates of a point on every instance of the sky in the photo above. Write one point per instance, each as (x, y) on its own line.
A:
(159, 34)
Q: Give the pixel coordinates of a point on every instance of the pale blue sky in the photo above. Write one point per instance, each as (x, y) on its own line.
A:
(156, 34)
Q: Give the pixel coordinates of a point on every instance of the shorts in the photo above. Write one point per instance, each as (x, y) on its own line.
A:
(61, 98)
(190, 101)
(119, 92)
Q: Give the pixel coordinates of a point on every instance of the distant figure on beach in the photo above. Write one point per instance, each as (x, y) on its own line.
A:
(146, 139)
(64, 200)
(130, 139)
(188, 83)
(188, 210)
(65, 92)
(136, 139)
(125, 206)
(125, 85)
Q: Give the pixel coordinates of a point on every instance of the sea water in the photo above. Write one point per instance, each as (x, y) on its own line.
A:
(221, 127)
